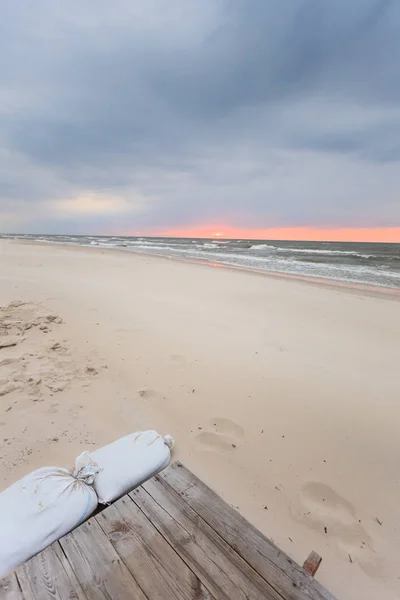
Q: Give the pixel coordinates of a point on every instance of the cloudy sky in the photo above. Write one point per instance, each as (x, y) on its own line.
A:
(154, 116)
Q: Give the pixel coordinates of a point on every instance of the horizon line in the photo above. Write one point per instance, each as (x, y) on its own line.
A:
(389, 235)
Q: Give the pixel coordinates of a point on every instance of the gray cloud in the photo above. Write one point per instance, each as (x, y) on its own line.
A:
(254, 113)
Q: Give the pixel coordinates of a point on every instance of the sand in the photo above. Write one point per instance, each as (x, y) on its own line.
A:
(282, 395)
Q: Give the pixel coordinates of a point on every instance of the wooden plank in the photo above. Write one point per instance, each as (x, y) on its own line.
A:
(287, 577)
(44, 576)
(9, 588)
(70, 573)
(312, 563)
(97, 566)
(157, 568)
(222, 571)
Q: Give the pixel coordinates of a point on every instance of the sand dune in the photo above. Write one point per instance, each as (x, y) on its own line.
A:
(282, 395)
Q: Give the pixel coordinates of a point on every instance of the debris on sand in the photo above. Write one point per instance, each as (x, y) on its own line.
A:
(8, 340)
(91, 370)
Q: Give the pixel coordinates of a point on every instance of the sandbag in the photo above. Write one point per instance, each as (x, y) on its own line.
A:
(42, 507)
(128, 462)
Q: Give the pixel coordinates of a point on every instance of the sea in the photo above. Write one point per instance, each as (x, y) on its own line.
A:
(374, 264)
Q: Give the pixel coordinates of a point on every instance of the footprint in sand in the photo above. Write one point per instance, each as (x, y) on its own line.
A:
(222, 436)
(322, 509)
(148, 394)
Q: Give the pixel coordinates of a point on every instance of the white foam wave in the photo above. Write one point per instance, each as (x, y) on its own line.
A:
(326, 252)
(143, 242)
(262, 247)
(150, 247)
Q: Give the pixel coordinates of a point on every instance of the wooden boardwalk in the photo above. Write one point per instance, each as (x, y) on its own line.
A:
(172, 538)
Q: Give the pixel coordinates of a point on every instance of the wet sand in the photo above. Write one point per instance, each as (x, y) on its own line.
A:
(282, 395)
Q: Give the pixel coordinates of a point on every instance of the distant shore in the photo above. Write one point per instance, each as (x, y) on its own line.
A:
(374, 265)
(350, 287)
(282, 393)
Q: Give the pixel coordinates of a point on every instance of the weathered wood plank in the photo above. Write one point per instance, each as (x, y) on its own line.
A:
(97, 566)
(70, 573)
(220, 569)
(157, 568)
(288, 578)
(44, 577)
(9, 588)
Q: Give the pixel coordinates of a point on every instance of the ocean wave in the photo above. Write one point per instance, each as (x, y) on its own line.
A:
(140, 242)
(239, 258)
(160, 249)
(262, 247)
(326, 252)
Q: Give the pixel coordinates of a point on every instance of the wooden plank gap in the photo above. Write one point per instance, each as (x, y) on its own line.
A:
(217, 565)
(219, 542)
(153, 562)
(62, 557)
(10, 588)
(97, 566)
(174, 540)
(276, 567)
(44, 576)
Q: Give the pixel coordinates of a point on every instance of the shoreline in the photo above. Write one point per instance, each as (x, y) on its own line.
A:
(282, 396)
(342, 285)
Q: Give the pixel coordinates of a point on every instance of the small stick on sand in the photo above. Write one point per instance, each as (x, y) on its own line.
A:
(7, 342)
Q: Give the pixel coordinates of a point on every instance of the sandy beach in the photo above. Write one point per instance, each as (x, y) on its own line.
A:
(282, 395)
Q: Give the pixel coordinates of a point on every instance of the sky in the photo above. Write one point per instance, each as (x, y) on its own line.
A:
(265, 117)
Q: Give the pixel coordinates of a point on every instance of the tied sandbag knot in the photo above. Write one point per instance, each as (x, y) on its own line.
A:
(86, 469)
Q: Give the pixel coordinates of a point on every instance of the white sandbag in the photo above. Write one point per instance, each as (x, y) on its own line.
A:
(42, 507)
(128, 462)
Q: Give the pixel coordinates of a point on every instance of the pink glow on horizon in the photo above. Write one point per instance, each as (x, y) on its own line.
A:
(380, 234)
